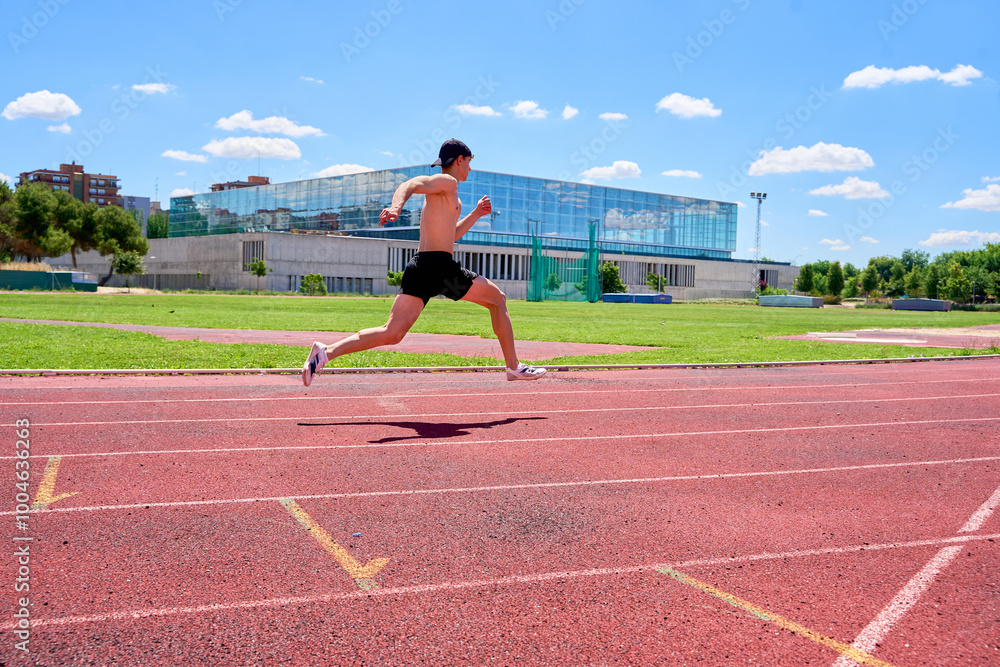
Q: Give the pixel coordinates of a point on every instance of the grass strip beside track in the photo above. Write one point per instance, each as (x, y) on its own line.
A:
(684, 333)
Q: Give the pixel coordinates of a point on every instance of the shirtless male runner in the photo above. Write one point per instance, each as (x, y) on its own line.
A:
(433, 271)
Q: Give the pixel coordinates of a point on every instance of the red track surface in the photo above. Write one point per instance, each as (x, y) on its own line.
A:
(522, 523)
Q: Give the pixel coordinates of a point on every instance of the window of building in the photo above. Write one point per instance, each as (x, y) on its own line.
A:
(252, 250)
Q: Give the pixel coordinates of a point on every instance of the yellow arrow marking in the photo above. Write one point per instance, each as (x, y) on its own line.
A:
(363, 575)
(840, 647)
(44, 497)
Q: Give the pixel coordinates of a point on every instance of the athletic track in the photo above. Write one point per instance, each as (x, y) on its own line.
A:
(786, 516)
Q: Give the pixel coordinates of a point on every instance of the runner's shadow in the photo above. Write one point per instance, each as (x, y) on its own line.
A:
(426, 430)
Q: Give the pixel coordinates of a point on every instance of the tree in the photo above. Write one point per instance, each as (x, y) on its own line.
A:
(127, 263)
(915, 259)
(117, 232)
(932, 282)
(158, 226)
(850, 271)
(835, 279)
(821, 268)
(957, 288)
(852, 290)
(611, 280)
(819, 284)
(897, 279)
(979, 280)
(552, 282)
(8, 239)
(259, 268)
(394, 278)
(869, 279)
(883, 265)
(34, 228)
(804, 281)
(313, 285)
(915, 282)
(76, 219)
(656, 281)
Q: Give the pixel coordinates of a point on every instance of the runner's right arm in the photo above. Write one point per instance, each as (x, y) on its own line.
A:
(419, 185)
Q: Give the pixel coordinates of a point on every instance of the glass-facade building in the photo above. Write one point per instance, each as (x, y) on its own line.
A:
(627, 221)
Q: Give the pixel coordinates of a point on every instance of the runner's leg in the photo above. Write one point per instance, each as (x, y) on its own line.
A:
(485, 293)
(405, 310)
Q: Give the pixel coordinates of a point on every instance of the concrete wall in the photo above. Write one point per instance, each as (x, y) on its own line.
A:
(174, 263)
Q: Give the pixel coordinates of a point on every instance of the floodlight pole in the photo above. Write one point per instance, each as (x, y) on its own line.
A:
(755, 279)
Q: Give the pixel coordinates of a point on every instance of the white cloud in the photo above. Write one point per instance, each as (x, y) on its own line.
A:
(817, 214)
(43, 104)
(153, 88)
(569, 112)
(184, 155)
(764, 223)
(688, 107)
(955, 237)
(876, 77)
(740, 204)
(987, 199)
(613, 116)
(528, 109)
(250, 147)
(310, 79)
(6, 178)
(181, 173)
(853, 188)
(819, 157)
(829, 242)
(389, 153)
(868, 239)
(181, 192)
(64, 128)
(840, 248)
(681, 173)
(342, 169)
(618, 169)
(990, 179)
(473, 110)
(271, 125)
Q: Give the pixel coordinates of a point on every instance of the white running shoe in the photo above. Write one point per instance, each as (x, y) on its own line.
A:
(314, 364)
(524, 372)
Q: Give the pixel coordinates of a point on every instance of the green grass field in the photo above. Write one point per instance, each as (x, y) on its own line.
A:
(683, 333)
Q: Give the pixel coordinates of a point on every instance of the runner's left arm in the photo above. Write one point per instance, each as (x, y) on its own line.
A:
(484, 207)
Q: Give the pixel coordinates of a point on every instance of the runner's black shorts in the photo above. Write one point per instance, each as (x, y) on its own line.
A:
(431, 273)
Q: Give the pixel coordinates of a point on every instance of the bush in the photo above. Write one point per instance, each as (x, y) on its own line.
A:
(832, 299)
(773, 291)
(394, 278)
(874, 305)
(313, 285)
(982, 307)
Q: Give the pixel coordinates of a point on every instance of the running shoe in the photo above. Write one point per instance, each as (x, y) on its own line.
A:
(524, 372)
(314, 364)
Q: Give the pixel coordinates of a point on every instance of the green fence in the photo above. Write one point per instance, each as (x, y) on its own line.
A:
(563, 279)
(42, 280)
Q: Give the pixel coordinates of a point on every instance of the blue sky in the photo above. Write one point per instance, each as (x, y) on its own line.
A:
(872, 125)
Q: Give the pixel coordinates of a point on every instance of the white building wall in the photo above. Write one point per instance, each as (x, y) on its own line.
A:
(176, 263)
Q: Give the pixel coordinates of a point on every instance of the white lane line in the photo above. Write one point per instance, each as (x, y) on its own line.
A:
(905, 599)
(980, 516)
(510, 487)
(513, 580)
(876, 631)
(490, 394)
(504, 413)
(575, 438)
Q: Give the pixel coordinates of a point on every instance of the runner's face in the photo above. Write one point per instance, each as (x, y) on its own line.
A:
(464, 166)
